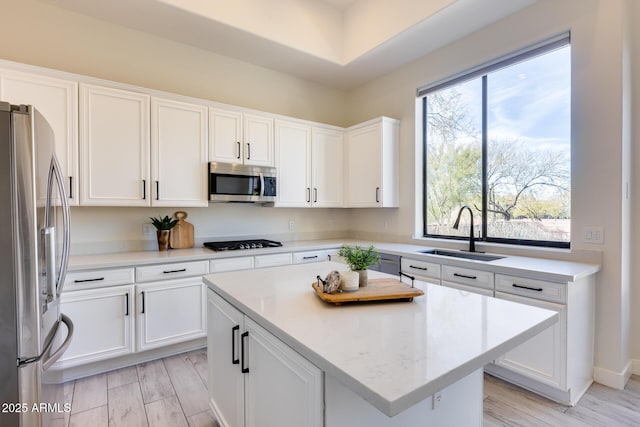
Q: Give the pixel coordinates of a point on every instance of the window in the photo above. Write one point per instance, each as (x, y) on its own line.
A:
(498, 139)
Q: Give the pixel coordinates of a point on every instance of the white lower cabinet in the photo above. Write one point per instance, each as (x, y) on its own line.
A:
(170, 312)
(254, 378)
(543, 357)
(103, 324)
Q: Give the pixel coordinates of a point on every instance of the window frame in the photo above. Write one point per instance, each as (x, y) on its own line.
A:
(482, 71)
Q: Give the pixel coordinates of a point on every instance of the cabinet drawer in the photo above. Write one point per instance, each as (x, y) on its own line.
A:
(467, 276)
(231, 264)
(272, 260)
(420, 268)
(532, 288)
(310, 256)
(171, 271)
(88, 279)
(467, 288)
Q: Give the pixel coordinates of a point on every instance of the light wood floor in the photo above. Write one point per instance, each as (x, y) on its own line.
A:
(169, 392)
(508, 405)
(172, 392)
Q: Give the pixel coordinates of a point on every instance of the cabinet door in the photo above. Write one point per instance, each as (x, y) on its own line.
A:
(258, 140)
(293, 163)
(326, 168)
(364, 166)
(114, 147)
(178, 153)
(226, 381)
(103, 324)
(225, 136)
(543, 357)
(57, 101)
(170, 312)
(281, 388)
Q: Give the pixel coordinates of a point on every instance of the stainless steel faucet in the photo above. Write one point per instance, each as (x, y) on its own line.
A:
(472, 244)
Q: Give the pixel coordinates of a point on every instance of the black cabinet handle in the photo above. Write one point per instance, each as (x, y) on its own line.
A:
(377, 194)
(97, 279)
(238, 142)
(527, 287)
(144, 189)
(418, 268)
(310, 257)
(315, 195)
(142, 312)
(157, 190)
(248, 151)
(308, 194)
(235, 360)
(71, 187)
(242, 353)
(182, 270)
(126, 304)
(464, 276)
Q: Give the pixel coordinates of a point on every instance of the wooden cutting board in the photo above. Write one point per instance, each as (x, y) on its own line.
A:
(181, 236)
(376, 290)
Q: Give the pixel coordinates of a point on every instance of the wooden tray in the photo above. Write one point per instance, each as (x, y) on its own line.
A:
(376, 290)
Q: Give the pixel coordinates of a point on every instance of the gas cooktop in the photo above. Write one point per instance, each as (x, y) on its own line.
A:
(233, 245)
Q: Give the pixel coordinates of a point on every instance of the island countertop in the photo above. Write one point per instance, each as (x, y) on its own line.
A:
(391, 354)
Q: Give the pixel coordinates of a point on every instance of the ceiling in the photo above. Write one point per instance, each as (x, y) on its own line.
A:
(339, 43)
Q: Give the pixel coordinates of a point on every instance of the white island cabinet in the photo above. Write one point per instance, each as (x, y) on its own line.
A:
(384, 365)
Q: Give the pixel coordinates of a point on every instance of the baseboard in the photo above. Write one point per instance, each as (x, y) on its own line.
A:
(635, 366)
(613, 379)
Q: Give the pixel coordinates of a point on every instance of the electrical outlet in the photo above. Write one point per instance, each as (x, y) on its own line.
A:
(292, 224)
(436, 400)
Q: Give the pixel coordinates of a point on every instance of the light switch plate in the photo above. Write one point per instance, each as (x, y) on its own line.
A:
(593, 234)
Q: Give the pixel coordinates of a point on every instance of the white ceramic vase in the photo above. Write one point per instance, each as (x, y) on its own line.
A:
(349, 281)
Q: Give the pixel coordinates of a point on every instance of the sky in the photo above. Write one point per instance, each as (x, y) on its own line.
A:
(528, 102)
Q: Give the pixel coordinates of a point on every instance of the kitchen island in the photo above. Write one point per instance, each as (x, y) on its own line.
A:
(280, 356)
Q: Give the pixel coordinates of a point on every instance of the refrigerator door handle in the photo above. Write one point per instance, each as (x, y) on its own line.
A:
(55, 172)
(50, 359)
(49, 234)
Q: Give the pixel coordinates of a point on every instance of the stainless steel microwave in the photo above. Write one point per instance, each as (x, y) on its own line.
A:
(241, 183)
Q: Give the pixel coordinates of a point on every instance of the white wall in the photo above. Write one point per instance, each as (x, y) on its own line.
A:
(597, 124)
(48, 36)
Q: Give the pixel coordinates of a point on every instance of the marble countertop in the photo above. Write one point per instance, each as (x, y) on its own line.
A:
(392, 354)
(536, 268)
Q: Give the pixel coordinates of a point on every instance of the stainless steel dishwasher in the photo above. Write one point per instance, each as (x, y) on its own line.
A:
(388, 264)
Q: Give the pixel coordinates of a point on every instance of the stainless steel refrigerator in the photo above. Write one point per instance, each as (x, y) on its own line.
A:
(34, 250)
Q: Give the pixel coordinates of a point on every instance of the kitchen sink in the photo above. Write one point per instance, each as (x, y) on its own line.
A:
(466, 255)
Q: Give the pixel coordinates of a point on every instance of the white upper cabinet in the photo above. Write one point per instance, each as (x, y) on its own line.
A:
(178, 153)
(293, 164)
(114, 147)
(57, 101)
(236, 137)
(372, 163)
(309, 164)
(225, 136)
(327, 167)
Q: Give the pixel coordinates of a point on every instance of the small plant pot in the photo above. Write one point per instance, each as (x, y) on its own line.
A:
(163, 239)
(363, 278)
(349, 281)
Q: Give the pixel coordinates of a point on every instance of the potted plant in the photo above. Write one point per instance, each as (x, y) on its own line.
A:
(358, 259)
(163, 227)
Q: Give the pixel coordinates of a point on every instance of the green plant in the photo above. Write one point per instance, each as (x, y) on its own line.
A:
(165, 223)
(359, 258)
